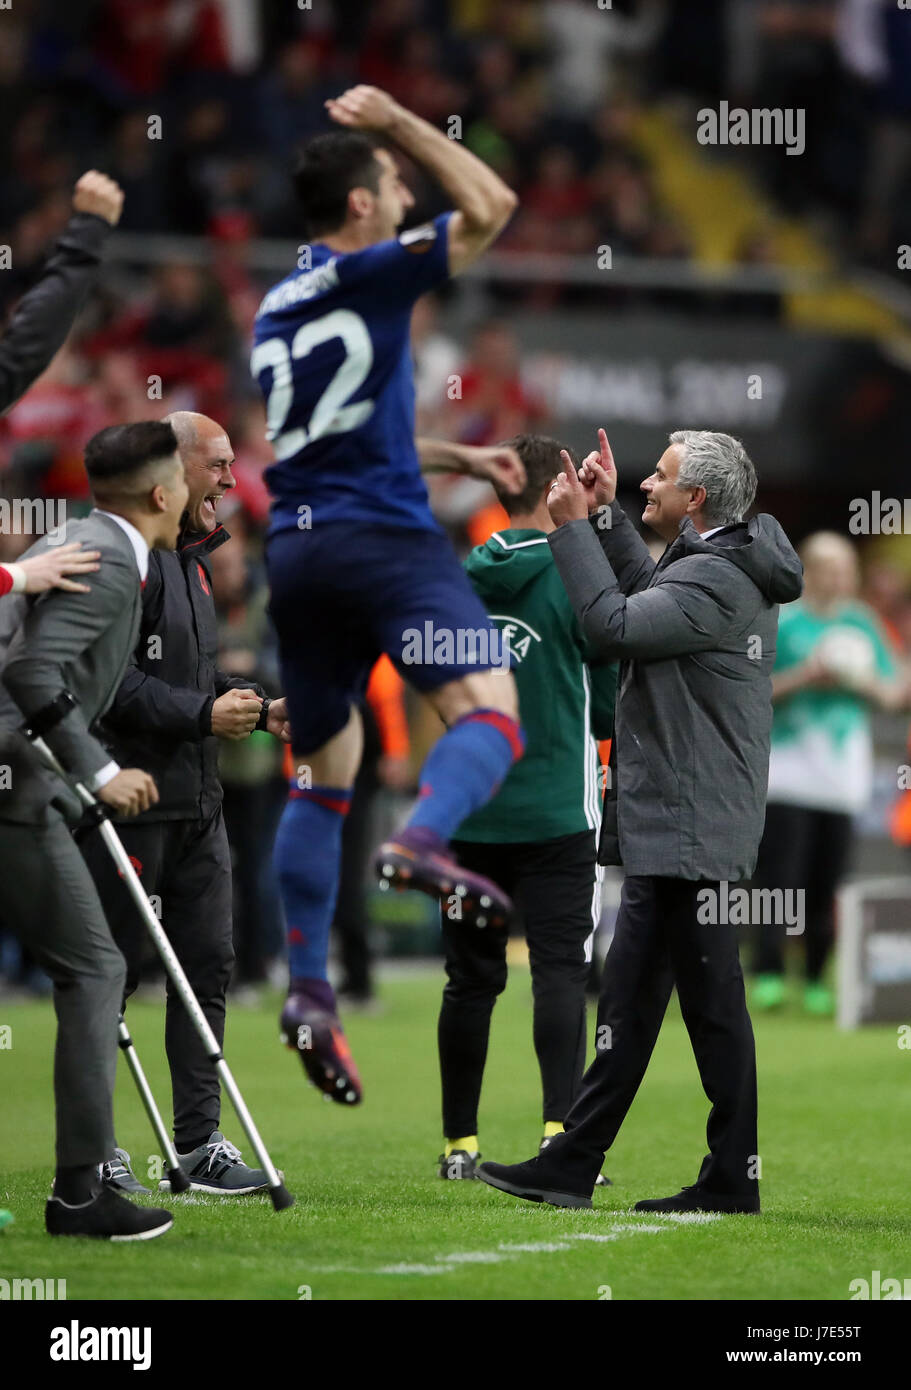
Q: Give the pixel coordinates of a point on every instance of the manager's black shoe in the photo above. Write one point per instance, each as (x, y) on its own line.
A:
(602, 1180)
(696, 1198)
(106, 1217)
(534, 1182)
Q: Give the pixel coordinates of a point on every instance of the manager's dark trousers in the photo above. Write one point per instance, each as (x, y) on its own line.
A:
(48, 899)
(659, 942)
(186, 865)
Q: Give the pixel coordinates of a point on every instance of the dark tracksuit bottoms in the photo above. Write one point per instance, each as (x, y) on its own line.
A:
(552, 883)
(809, 849)
(186, 866)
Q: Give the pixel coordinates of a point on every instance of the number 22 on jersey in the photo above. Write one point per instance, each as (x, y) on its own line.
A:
(331, 414)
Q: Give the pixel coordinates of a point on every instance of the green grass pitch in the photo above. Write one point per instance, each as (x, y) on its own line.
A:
(373, 1221)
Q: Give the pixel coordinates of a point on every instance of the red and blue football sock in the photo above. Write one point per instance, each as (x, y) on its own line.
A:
(307, 857)
(464, 769)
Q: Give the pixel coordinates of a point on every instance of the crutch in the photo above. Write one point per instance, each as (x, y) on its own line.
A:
(176, 1175)
(99, 815)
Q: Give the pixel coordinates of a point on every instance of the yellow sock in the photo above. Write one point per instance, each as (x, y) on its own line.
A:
(469, 1144)
(551, 1128)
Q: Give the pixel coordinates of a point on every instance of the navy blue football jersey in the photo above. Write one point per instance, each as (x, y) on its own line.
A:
(332, 356)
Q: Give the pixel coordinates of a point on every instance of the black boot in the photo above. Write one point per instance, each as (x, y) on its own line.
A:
(108, 1216)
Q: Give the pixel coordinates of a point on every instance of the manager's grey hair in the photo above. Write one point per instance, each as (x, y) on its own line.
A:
(721, 465)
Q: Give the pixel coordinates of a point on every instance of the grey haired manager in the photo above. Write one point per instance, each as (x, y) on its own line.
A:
(695, 634)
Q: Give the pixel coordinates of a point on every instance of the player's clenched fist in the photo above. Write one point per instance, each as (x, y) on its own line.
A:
(498, 464)
(236, 713)
(100, 195)
(129, 792)
(364, 108)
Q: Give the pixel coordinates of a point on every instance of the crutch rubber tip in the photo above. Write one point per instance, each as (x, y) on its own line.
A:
(178, 1180)
(281, 1197)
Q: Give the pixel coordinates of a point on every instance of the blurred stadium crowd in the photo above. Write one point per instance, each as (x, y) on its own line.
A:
(545, 92)
(195, 107)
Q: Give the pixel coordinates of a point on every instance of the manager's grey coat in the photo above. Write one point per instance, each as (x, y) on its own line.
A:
(696, 634)
(65, 641)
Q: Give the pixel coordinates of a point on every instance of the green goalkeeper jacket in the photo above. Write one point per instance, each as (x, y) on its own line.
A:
(566, 701)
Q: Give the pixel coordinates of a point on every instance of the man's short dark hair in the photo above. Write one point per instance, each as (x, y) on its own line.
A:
(541, 456)
(327, 169)
(114, 453)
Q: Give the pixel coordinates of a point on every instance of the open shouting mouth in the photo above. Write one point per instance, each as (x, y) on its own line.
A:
(209, 504)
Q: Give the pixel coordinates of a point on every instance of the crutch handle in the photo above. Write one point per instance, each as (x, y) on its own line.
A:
(95, 814)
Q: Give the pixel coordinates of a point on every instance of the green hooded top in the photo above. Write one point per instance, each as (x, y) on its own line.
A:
(565, 702)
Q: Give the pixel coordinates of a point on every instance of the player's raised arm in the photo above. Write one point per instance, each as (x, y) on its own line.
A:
(483, 202)
(499, 464)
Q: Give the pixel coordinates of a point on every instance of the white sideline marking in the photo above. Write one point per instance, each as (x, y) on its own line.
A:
(687, 1218)
(470, 1257)
(508, 1250)
(543, 1247)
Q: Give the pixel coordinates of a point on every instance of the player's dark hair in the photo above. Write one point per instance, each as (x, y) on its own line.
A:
(327, 169)
(541, 456)
(114, 453)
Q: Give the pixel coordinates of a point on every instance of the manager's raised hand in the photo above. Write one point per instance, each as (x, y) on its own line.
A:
(567, 499)
(599, 475)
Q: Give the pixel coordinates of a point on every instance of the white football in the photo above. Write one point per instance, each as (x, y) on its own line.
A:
(848, 653)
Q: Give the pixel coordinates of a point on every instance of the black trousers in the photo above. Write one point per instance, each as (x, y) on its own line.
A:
(351, 915)
(802, 849)
(186, 866)
(659, 942)
(553, 885)
(252, 813)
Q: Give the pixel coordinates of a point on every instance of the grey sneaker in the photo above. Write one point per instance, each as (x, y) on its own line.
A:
(216, 1167)
(117, 1173)
(459, 1164)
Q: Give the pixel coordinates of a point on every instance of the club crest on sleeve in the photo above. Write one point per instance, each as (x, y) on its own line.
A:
(419, 239)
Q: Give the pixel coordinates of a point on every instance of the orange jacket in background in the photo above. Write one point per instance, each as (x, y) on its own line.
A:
(386, 693)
